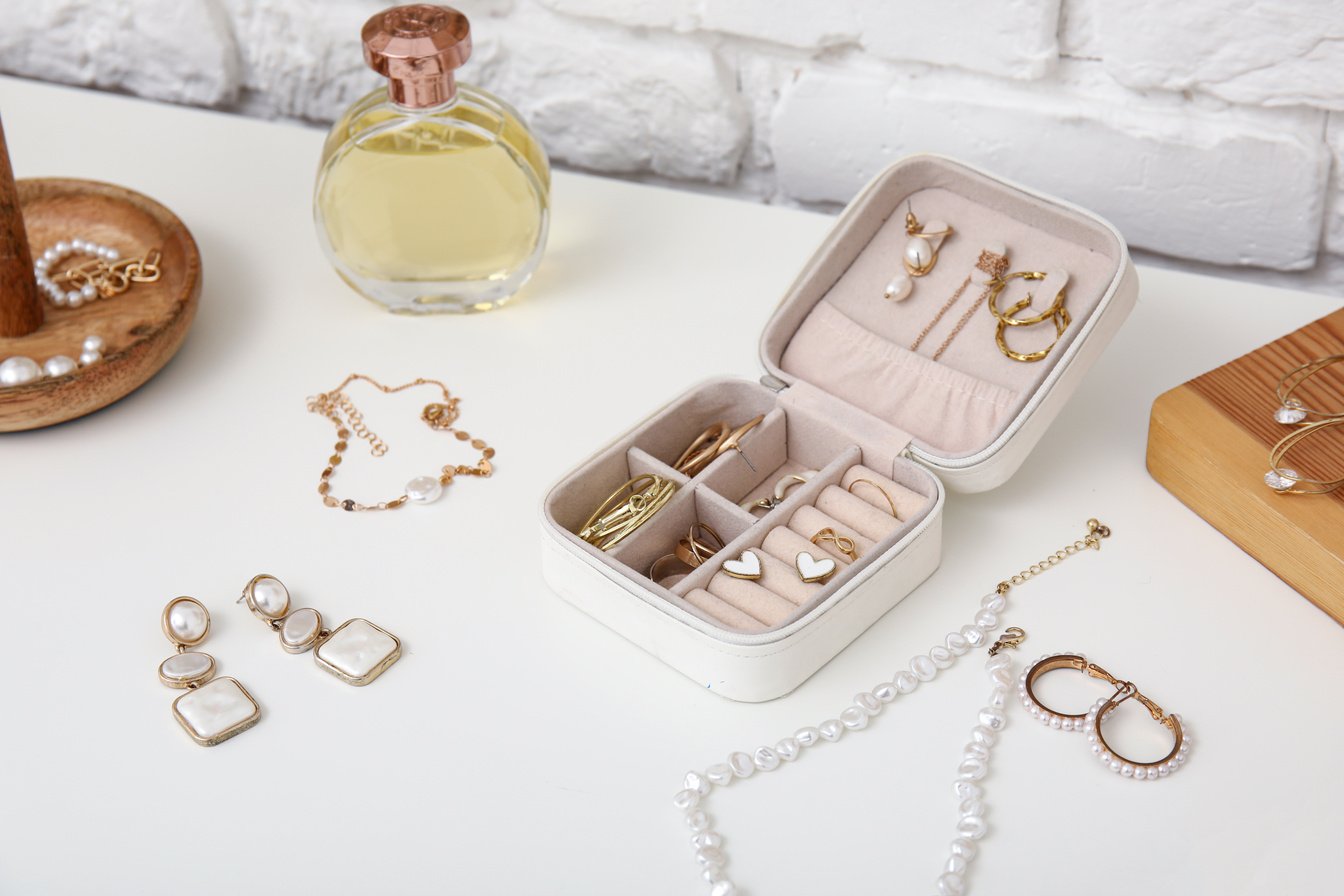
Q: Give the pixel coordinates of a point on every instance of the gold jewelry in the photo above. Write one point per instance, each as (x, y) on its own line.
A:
(811, 570)
(919, 257)
(703, 449)
(104, 275)
(733, 442)
(356, 652)
(1056, 312)
(213, 709)
(921, 252)
(1090, 722)
(781, 491)
(337, 407)
(991, 265)
(890, 503)
(746, 566)
(695, 551)
(657, 571)
(617, 517)
(843, 543)
(1292, 412)
(1287, 481)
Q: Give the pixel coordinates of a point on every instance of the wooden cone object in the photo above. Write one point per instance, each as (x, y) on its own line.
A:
(20, 304)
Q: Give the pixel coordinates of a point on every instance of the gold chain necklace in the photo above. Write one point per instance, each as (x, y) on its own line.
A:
(337, 407)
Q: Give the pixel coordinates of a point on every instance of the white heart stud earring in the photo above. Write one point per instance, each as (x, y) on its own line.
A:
(356, 652)
(920, 256)
(213, 709)
(810, 569)
(748, 566)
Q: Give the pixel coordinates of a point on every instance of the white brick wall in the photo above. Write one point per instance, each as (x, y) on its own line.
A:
(1207, 131)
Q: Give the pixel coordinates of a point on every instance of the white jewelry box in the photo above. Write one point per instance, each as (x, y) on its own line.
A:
(843, 388)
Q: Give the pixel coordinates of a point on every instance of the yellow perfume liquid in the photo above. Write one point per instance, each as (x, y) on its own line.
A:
(440, 207)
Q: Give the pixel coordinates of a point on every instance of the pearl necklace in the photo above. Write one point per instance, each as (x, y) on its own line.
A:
(971, 825)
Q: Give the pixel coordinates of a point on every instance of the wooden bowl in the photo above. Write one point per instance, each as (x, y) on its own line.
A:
(142, 327)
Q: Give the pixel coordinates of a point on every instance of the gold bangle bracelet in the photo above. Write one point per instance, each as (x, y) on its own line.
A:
(617, 517)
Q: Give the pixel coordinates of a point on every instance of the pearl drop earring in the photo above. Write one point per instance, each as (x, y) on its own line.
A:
(213, 709)
(356, 652)
(921, 254)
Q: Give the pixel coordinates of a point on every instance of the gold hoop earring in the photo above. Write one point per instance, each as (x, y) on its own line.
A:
(1286, 480)
(1008, 318)
(703, 449)
(734, 440)
(1292, 412)
(1090, 722)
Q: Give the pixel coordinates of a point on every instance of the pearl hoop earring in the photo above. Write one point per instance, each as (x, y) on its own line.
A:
(1090, 722)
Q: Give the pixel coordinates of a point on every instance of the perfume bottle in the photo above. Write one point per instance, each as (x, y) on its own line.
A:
(432, 195)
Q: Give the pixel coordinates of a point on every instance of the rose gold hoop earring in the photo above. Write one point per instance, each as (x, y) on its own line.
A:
(703, 449)
(1090, 722)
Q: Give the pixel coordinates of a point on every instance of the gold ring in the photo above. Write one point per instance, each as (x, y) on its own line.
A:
(695, 551)
(843, 543)
(654, 570)
(703, 449)
(890, 503)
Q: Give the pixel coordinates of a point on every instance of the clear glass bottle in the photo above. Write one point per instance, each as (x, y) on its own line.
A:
(432, 195)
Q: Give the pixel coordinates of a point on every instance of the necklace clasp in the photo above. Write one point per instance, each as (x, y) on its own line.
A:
(439, 415)
(1011, 637)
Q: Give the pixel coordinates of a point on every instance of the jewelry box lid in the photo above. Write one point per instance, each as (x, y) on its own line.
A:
(939, 375)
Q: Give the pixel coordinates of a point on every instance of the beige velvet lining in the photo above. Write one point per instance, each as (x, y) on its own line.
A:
(789, 439)
(836, 332)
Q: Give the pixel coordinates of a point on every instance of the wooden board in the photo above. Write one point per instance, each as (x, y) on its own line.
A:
(142, 328)
(1209, 442)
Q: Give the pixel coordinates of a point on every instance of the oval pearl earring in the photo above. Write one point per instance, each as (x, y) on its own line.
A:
(921, 254)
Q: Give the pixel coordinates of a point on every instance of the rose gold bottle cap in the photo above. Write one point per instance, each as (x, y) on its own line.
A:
(416, 48)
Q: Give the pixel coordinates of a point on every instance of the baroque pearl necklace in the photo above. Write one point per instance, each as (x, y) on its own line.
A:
(337, 407)
(971, 827)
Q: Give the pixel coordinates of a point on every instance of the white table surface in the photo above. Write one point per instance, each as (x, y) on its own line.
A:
(520, 747)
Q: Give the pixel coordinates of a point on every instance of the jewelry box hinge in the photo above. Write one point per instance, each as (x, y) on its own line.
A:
(773, 383)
